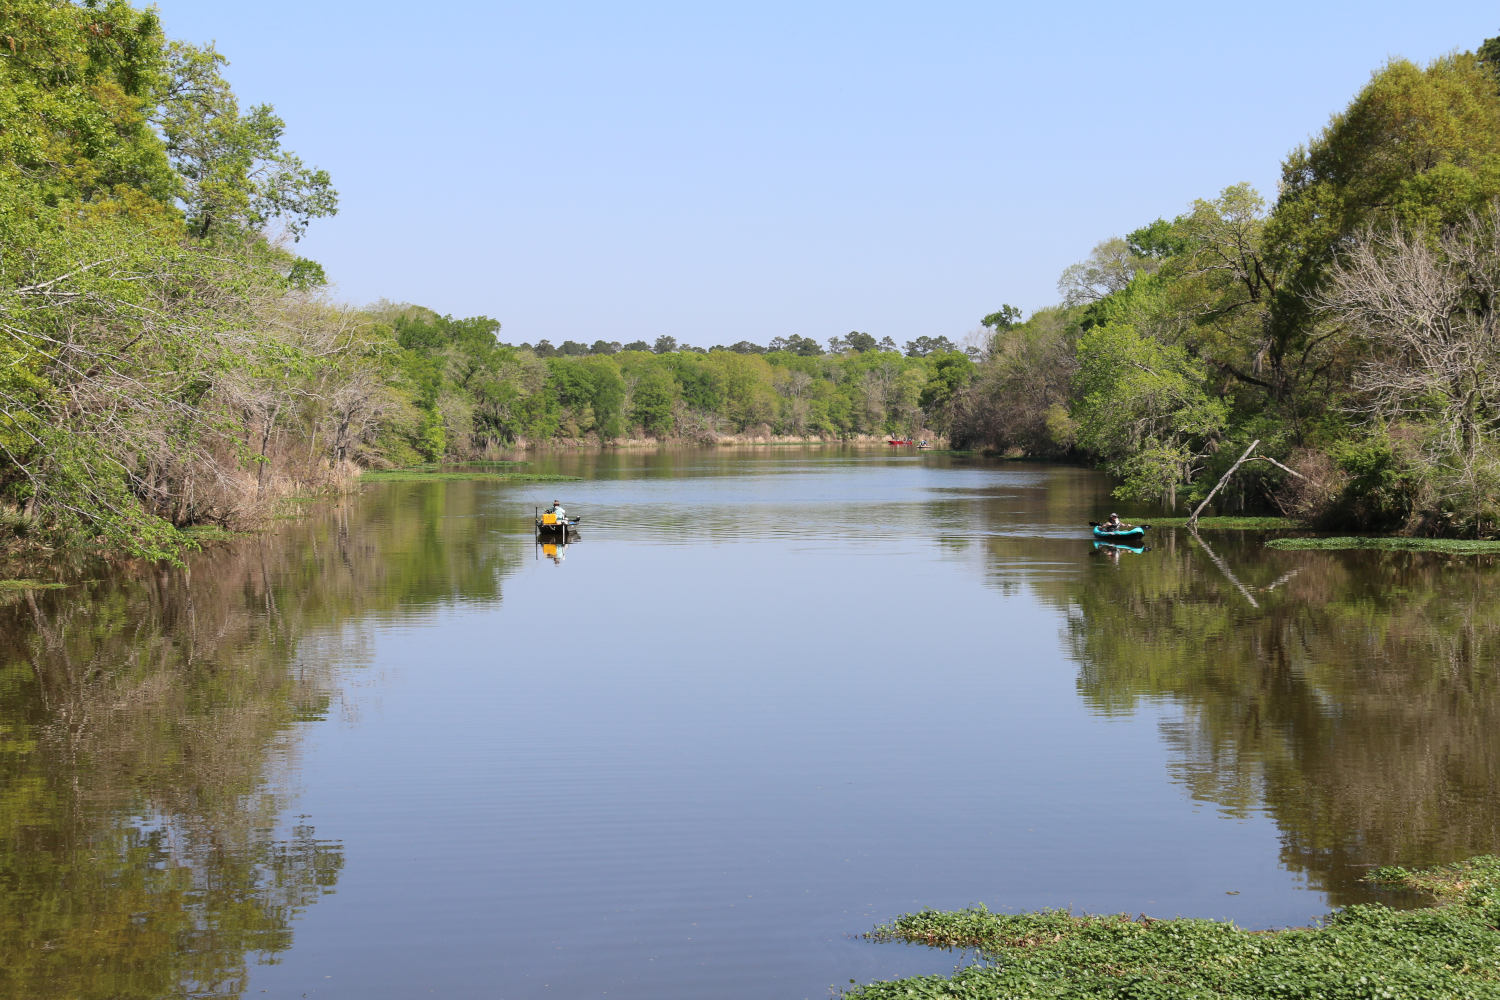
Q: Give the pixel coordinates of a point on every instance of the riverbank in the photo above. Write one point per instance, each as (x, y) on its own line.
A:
(1448, 950)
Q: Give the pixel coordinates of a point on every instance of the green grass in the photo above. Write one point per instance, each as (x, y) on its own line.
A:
(1445, 952)
(476, 463)
(415, 476)
(1231, 523)
(30, 585)
(1449, 546)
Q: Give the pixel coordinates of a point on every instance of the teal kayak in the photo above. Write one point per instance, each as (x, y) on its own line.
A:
(1131, 535)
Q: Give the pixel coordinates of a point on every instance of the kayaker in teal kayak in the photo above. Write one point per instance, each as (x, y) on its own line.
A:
(1114, 524)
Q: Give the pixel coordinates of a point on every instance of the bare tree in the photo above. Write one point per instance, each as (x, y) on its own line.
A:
(1428, 313)
(1109, 267)
(1427, 310)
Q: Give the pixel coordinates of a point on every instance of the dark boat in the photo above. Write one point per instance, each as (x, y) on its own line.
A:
(1128, 536)
(550, 524)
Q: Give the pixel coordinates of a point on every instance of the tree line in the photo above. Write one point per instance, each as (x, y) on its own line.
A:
(471, 394)
(1350, 325)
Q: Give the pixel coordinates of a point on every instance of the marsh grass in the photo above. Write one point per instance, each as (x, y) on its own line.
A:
(30, 585)
(1445, 952)
(1449, 546)
(418, 476)
(479, 463)
(1231, 523)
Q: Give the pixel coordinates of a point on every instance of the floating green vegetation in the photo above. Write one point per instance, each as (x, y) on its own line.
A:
(416, 476)
(30, 585)
(1449, 546)
(1365, 951)
(481, 463)
(1231, 523)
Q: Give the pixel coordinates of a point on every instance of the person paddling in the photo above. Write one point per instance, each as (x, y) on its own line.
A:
(1114, 524)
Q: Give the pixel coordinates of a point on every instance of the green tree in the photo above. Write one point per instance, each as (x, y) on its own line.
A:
(233, 169)
(923, 346)
(651, 402)
(1019, 397)
(1001, 319)
(948, 374)
(1143, 409)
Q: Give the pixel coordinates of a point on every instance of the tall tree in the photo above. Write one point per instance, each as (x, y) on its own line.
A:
(234, 171)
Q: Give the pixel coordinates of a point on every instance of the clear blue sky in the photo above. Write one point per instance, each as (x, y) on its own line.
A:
(720, 171)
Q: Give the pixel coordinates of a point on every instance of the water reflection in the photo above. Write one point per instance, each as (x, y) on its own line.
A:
(148, 723)
(809, 691)
(1352, 696)
(554, 545)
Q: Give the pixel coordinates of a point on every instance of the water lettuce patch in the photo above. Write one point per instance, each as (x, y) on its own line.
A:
(1450, 950)
(1451, 546)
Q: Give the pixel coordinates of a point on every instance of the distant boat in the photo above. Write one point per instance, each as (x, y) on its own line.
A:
(901, 442)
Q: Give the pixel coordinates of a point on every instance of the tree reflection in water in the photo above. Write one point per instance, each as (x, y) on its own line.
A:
(1355, 699)
(146, 725)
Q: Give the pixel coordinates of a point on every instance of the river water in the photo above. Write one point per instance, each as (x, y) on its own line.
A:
(766, 700)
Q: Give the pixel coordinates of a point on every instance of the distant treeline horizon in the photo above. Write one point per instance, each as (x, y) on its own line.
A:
(854, 340)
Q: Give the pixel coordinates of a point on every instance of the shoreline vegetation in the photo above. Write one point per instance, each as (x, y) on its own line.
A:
(1444, 546)
(173, 362)
(1447, 951)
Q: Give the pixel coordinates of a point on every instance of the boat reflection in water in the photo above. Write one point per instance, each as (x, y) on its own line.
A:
(554, 544)
(1112, 550)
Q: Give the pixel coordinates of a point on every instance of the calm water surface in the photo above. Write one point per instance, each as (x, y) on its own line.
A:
(767, 700)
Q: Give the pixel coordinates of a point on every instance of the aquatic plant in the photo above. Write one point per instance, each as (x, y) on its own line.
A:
(1451, 546)
(1363, 952)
